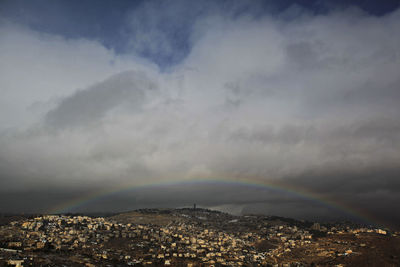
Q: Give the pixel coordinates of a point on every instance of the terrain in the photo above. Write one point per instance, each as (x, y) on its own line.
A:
(191, 237)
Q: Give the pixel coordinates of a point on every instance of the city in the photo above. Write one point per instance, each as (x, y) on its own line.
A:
(200, 133)
(192, 237)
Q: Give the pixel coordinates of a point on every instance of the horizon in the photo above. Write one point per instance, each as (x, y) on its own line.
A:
(280, 108)
(100, 214)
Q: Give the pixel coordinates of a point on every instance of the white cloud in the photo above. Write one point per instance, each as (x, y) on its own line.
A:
(254, 98)
(37, 69)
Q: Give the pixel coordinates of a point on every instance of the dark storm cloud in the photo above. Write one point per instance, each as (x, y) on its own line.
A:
(310, 101)
(91, 104)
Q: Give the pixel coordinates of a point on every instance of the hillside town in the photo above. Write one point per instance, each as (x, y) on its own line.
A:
(185, 237)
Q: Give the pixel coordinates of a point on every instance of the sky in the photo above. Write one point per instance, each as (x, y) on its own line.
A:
(156, 97)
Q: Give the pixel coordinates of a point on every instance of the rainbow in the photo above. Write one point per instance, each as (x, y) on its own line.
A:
(278, 187)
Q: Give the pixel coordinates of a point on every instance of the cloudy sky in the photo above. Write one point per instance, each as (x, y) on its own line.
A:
(113, 94)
